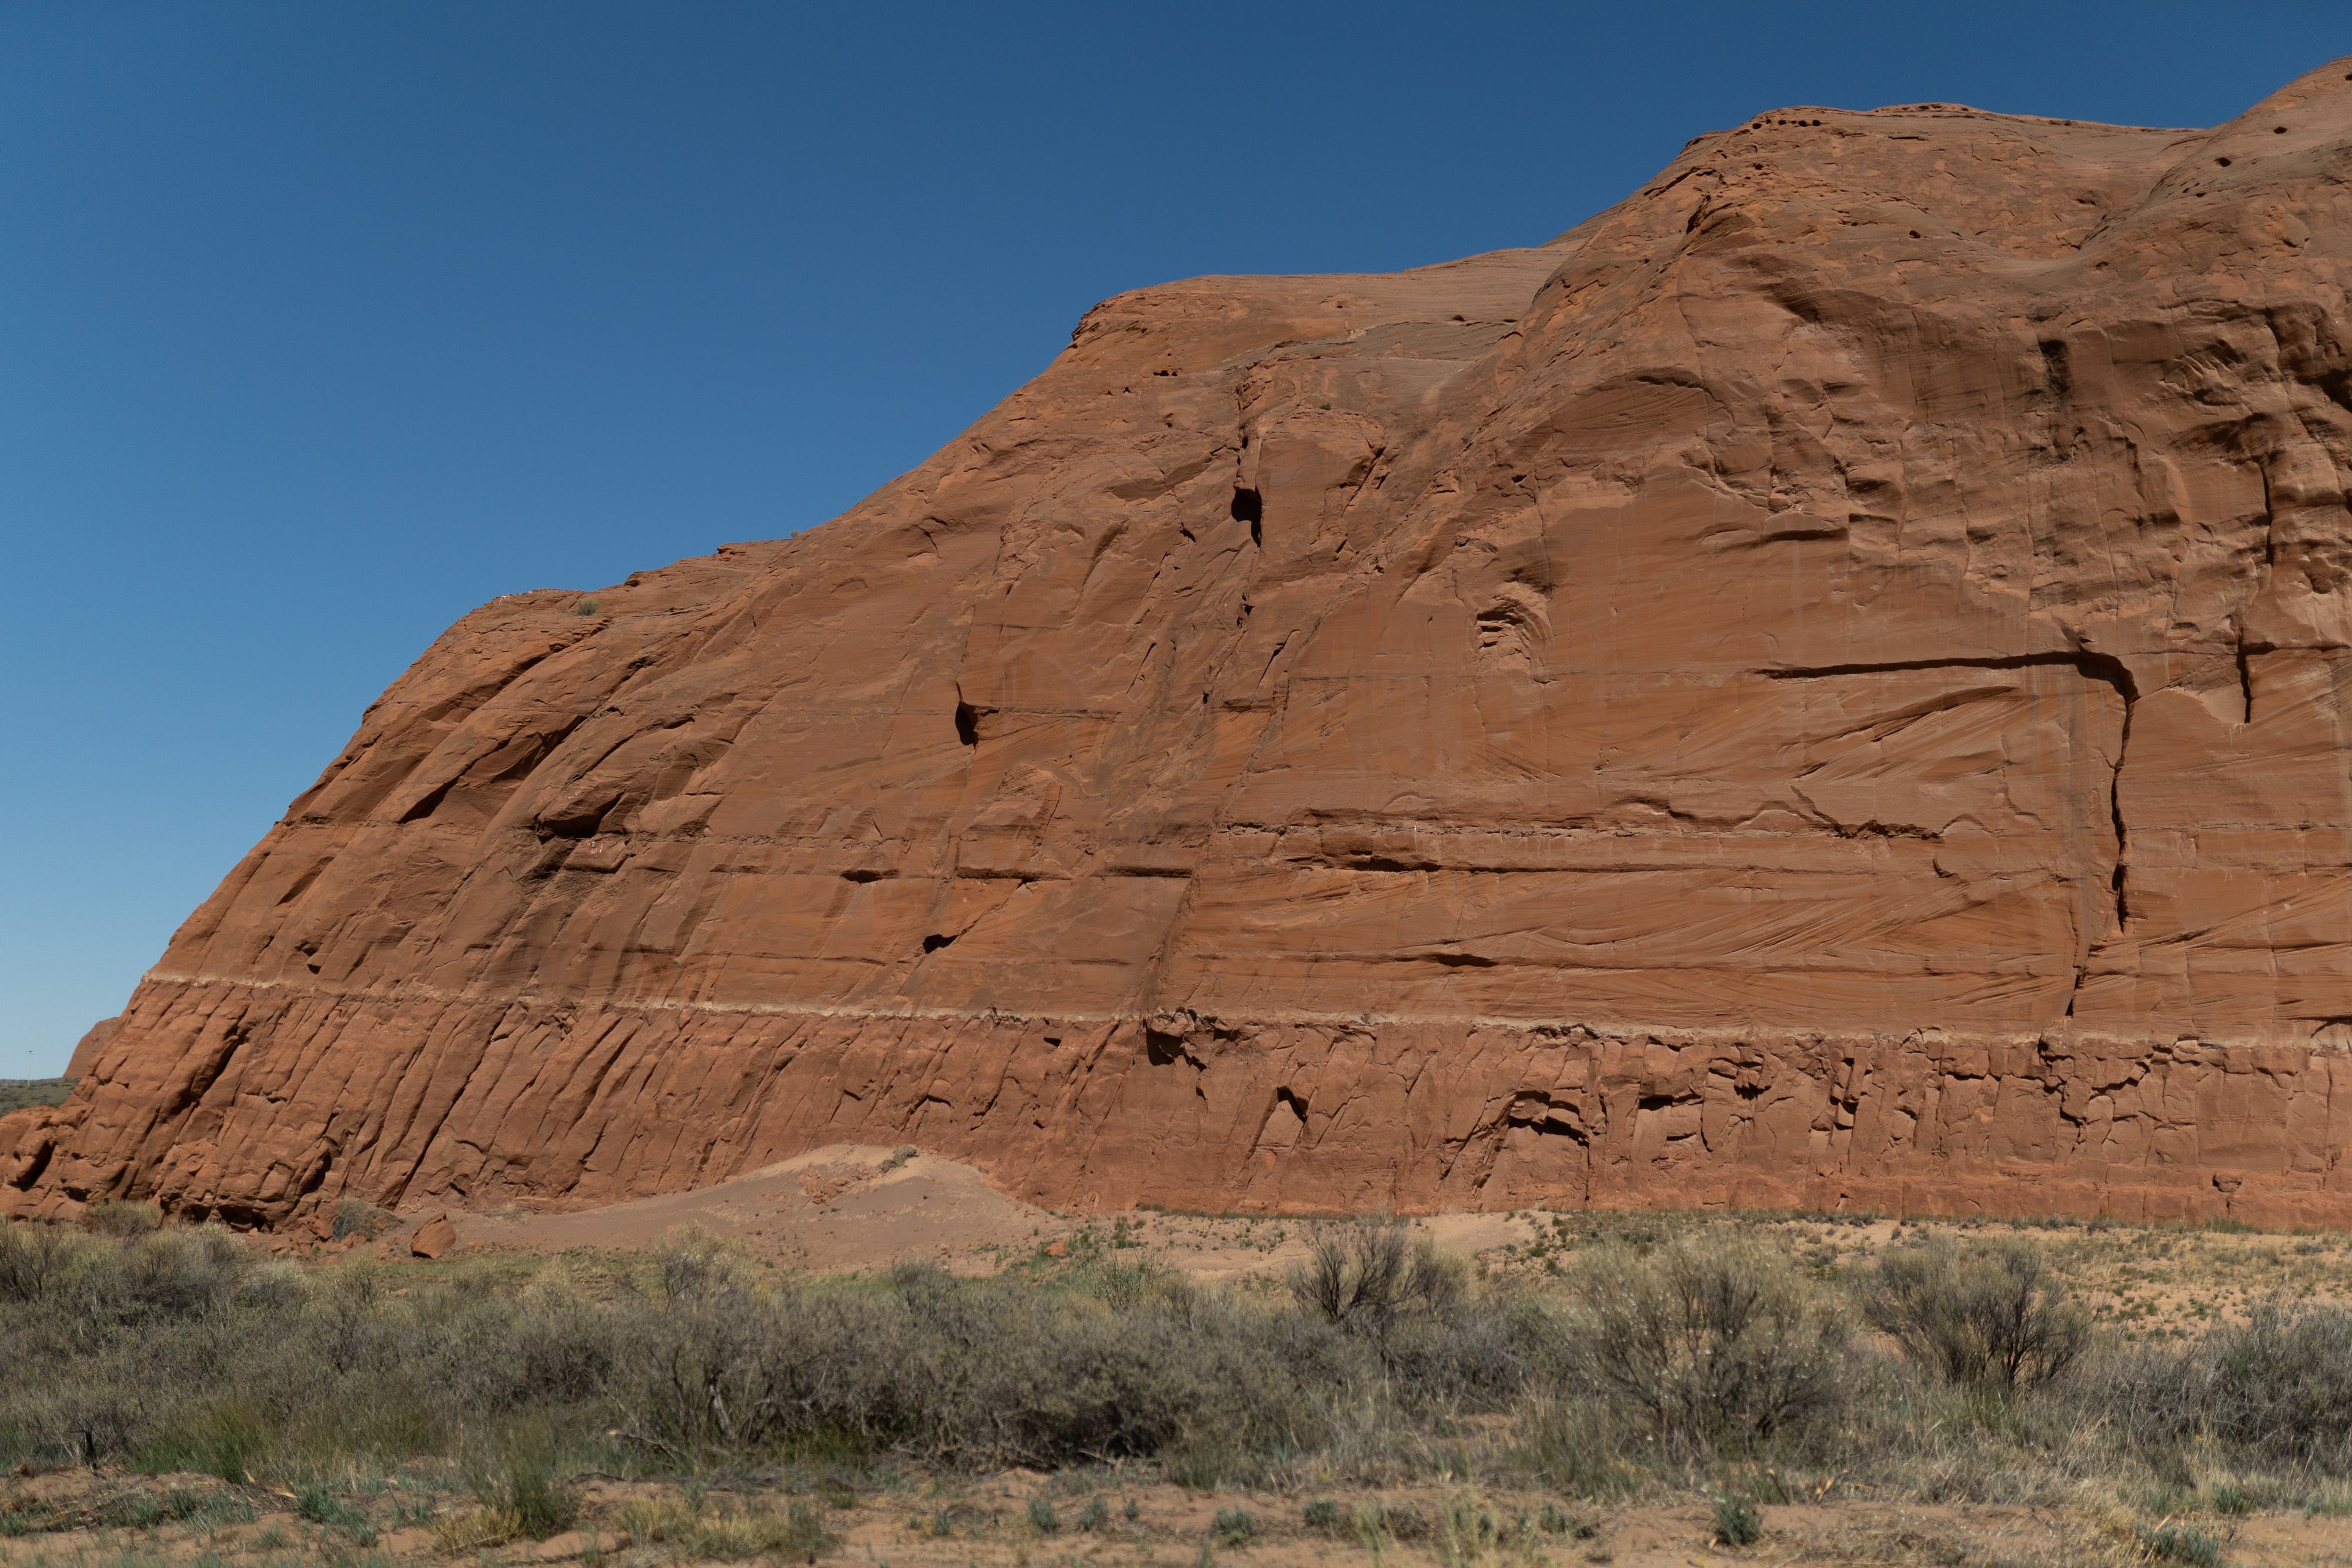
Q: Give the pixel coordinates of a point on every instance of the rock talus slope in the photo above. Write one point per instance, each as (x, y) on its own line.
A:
(1825, 684)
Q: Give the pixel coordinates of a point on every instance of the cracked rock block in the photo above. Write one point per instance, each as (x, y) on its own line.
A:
(1826, 683)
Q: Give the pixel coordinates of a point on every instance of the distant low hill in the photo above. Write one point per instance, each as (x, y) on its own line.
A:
(23, 1093)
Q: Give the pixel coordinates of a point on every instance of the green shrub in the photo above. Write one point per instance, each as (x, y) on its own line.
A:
(798, 1532)
(1203, 1463)
(1041, 1515)
(1555, 1520)
(223, 1438)
(1365, 1276)
(2182, 1543)
(1095, 1515)
(1736, 1523)
(519, 1477)
(2278, 1387)
(1236, 1526)
(984, 1373)
(1708, 1340)
(122, 1220)
(35, 1261)
(357, 1217)
(314, 1503)
(170, 1275)
(1321, 1513)
(1990, 1314)
(1573, 1446)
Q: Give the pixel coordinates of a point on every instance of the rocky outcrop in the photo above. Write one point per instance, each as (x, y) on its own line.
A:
(92, 1041)
(1824, 683)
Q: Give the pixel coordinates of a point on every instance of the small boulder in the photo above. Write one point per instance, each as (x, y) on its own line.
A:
(433, 1237)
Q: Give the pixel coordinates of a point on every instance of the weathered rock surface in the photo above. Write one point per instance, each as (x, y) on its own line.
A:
(1824, 683)
(433, 1237)
(92, 1041)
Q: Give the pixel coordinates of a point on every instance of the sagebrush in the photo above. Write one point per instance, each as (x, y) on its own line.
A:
(183, 1349)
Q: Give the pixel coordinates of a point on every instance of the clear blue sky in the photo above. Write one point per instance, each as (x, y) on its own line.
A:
(322, 323)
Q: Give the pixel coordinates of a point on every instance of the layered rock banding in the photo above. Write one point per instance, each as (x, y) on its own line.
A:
(1824, 684)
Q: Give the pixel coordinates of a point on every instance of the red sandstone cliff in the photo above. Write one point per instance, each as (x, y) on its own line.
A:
(1825, 683)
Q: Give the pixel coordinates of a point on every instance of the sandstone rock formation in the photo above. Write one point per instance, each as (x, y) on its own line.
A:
(1825, 684)
(433, 1237)
(92, 1041)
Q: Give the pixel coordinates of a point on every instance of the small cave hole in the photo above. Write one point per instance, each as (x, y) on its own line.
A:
(2224, 163)
(2278, 130)
(1297, 1102)
(1249, 508)
(1915, 233)
(967, 720)
(934, 942)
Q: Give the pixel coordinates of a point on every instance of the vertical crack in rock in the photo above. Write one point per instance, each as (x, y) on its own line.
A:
(2245, 675)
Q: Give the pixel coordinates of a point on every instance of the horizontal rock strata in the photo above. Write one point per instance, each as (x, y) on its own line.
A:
(1823, 684)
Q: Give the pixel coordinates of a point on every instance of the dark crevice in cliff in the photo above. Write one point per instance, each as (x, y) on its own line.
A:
(1373, 862)
(2105, 668)
(2246, 675)
(429, 804)
(2054, 367)
(303, 883)
(2121, 680)
(1250, 508)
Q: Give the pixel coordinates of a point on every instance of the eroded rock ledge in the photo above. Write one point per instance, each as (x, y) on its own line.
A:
(561, 1107)
(1824, 683)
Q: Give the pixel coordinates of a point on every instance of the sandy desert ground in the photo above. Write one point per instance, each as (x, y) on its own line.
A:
(852, 1208)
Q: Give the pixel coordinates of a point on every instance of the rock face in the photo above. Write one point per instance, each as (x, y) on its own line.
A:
(1825, 684)
(86, 1050)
